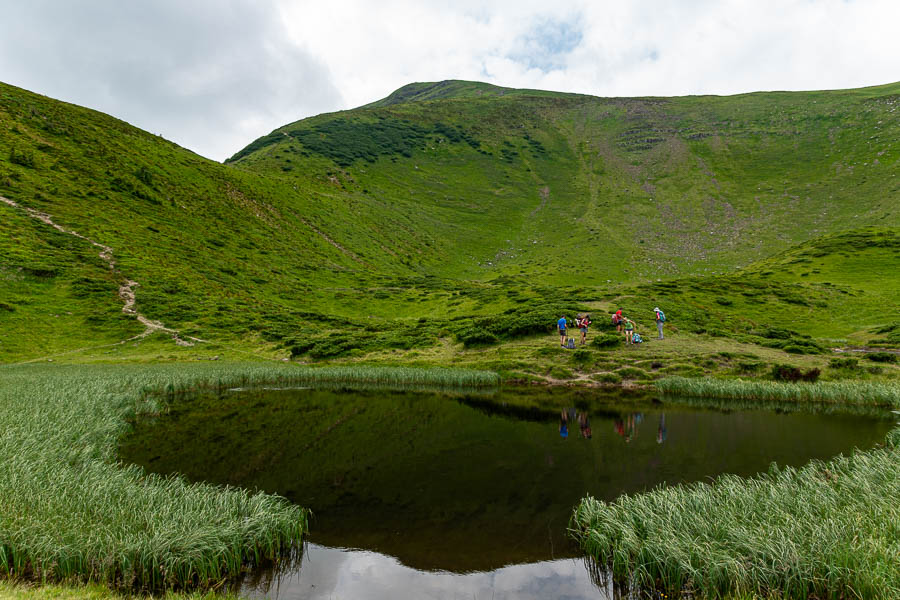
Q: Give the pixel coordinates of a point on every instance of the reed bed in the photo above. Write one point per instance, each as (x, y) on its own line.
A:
(830, 529)
(858, 393)
(70, 512)
(402, 378)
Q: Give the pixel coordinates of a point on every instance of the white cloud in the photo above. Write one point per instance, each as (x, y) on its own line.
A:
(209, 75)
(213, 75)
(335, 573)
(623, 48)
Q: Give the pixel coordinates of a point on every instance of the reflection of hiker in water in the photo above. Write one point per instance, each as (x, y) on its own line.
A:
(661, 432)
(628, 428)
(584, 423)
(563, 424)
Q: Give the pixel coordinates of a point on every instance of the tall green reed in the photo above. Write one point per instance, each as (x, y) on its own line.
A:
(70, 511)
(830, 529)
(842, 392)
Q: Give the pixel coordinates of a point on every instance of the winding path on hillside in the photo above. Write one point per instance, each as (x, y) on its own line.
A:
(126, 287)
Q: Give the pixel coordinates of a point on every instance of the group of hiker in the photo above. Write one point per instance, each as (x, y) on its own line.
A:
(623, 325)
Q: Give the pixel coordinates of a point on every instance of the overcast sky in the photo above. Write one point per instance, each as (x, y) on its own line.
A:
(212, 75)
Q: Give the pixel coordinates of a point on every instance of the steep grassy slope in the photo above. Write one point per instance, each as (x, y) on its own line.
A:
(447, 212)
(572, 187)
(213, 249)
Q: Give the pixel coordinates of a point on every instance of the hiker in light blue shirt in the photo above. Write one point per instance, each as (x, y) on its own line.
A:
(660, 319)
(561, 325)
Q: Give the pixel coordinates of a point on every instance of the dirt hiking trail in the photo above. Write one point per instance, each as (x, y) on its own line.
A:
(126, 287)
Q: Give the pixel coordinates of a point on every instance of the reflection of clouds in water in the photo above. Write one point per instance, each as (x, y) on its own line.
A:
(329, 573)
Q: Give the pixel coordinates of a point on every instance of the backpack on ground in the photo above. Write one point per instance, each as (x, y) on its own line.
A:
(662, 316)
(636, 338)
(570, 343)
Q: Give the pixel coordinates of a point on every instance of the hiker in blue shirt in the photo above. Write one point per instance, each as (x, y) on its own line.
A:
(561, 325)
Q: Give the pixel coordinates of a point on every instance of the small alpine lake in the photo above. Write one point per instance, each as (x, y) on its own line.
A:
(462, 495)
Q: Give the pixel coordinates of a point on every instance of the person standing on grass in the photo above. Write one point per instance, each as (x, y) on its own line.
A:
(617, 320)
(582, 323)
(561, 325)
(660, 319)
(629, 330)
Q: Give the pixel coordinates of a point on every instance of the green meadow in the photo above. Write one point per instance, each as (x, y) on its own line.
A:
(433, 238)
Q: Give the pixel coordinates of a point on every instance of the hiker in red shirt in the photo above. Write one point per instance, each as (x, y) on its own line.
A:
(582, 323)
(617, 320)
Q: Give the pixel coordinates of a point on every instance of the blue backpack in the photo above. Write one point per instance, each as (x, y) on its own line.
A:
(636, 338)
(662, 316)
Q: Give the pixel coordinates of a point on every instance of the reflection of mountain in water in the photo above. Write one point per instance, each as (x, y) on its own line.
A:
(444, 484)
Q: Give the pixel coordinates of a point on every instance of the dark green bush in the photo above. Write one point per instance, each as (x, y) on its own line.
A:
(582, 356)
(301, 348)
(793, 374)
(144, 175)
(795, 345)
(775, 333)
(606, 340)
(794, 349)
(332, 347)
(606, 377)
(517, 322)
(750, 366)
(843, 363)
(561, 373)
(885, 357)
(23, 157)
(477, 336)
(632, 373)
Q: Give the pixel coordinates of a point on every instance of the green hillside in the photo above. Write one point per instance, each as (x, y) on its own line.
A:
(579, 188)
(434, 224)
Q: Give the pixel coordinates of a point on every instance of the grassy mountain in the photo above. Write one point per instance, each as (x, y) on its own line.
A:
(618, 189)
(454, 212)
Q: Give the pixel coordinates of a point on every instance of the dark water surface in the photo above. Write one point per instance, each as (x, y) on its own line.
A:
(444, 496)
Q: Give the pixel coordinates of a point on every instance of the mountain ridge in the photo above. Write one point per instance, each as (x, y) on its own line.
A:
(411, 222)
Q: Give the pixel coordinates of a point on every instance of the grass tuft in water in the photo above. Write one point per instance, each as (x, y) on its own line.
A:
(826, 530)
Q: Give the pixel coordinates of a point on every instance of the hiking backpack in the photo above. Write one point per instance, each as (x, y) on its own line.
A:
(662, 316)
(570, 344)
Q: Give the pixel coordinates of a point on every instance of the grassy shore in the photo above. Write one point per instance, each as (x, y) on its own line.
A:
(25, 591)
(853, 393)
(70, 512)
(826, 530)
